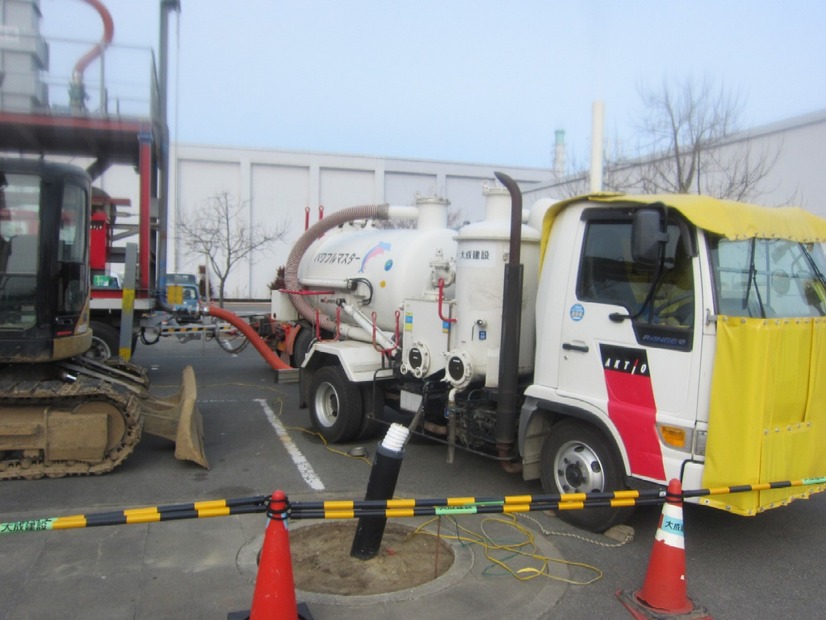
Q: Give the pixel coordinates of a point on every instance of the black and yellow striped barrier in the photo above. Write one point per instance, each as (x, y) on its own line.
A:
(151, 514)
(391, 508)
(746, 488)
(346, 509)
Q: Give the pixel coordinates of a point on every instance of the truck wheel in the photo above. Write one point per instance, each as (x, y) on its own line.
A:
(577, 459)
(301, 345)
(373, 410)
(335, 405)
(105, 342)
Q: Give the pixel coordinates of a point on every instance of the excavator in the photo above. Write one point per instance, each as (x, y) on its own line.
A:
(62, 413)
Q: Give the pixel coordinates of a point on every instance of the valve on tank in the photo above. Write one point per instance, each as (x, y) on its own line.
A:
(442, 269)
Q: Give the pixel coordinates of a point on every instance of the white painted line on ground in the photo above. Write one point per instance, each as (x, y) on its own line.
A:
(304, 468)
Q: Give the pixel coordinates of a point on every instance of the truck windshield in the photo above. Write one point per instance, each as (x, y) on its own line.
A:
(768, 278)
(19, 249)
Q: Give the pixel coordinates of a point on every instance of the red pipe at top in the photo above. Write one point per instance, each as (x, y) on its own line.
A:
(268, 354)
(108, 33)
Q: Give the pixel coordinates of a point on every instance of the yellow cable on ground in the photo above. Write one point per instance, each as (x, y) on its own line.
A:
(307, 431)
(522, 574)
(525, 549)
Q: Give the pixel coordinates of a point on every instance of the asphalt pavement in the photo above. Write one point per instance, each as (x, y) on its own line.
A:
(769, 566)
(206, 567)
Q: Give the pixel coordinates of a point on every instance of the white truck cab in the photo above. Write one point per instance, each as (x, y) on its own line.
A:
(629, 383)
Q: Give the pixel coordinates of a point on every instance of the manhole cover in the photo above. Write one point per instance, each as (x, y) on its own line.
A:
(408, 565)
(322, 562)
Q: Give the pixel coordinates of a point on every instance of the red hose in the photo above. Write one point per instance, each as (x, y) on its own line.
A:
(268, 354)
(108, 34)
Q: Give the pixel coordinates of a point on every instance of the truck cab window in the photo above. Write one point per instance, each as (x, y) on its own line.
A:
(673, 301)
(607, 272)
(609, 275)
(659, 301)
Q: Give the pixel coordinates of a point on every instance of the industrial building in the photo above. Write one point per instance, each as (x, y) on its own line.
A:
(277, 186)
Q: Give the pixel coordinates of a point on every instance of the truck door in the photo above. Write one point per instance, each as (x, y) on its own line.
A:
(628, 351)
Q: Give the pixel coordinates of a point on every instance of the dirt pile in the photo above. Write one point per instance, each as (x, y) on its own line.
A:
(322, 562)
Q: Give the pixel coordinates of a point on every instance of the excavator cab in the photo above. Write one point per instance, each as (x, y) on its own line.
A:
(60, 412)
(44, 281)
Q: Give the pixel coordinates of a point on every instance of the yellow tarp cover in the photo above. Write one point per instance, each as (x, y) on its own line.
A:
(734, 220)
(767, 417)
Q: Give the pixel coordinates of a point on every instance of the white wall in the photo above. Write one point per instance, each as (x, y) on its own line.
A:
(276, 188)
(799, 174)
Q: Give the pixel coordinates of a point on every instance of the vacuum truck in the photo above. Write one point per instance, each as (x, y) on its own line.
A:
(596, 344)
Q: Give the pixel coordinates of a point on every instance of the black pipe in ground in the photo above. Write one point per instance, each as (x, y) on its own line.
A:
(382, 485)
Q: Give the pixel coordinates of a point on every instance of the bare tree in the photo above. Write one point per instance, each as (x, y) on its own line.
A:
(219, 232)
(689, 142)
(688, 133)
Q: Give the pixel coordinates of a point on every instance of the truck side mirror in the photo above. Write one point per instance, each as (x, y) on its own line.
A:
(648, 237)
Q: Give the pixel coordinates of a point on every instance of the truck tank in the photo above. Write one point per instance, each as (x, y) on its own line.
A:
(375, 269)
(482, 252)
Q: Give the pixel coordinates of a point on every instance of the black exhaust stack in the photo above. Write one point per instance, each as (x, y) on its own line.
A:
(511, 327)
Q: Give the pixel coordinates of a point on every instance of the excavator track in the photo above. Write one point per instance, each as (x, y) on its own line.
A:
(65, 419)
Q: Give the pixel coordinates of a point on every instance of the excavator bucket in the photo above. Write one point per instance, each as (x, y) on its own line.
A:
(177, 418)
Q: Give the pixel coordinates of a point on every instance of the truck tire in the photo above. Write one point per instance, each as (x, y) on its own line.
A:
(301, 345)
(105, 342)
(576, 458)
(336, 409)
(372, 398)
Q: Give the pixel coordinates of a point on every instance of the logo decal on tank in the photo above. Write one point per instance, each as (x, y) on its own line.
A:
(377, 250)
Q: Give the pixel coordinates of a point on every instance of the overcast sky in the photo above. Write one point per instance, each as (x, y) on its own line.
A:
(457, 80)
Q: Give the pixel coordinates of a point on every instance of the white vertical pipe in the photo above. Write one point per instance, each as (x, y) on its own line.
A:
(559, 153)
(597, 119)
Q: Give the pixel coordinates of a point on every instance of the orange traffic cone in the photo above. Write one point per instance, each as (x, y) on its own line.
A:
(663, 595)
(274, 595)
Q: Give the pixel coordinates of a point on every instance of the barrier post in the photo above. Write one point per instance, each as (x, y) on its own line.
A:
(664, 592)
